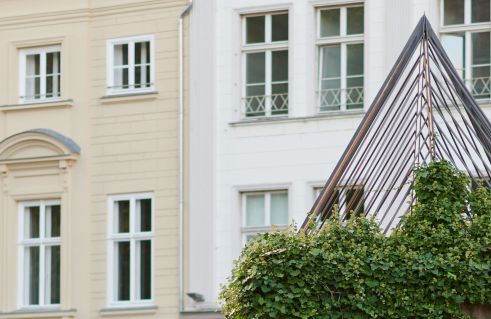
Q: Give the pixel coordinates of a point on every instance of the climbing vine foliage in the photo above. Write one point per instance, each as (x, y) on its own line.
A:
(438, 259)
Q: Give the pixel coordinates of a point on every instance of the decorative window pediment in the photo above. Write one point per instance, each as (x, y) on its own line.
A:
(37, 145)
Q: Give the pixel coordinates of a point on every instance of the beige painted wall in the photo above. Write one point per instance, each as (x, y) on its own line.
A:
(128, 145)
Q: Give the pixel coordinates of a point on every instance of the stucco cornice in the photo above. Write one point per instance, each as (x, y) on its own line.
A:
(81, 15)
(60, 17)
(136, 6)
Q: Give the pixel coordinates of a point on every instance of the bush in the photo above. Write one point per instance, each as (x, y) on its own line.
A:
(435, 261)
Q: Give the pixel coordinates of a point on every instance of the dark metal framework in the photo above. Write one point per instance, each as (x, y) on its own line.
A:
(423, 112)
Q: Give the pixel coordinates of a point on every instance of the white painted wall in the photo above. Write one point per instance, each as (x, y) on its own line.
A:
(298, 153)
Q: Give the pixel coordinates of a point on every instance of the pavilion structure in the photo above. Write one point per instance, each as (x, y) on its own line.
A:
(423, 112)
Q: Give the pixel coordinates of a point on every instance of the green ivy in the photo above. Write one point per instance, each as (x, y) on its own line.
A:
(435, 261)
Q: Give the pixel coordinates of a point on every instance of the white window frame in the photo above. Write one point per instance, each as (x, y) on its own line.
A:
(42, 51)
(132, 236)
(253, 230)
(342, 40)
(110, 43)
(468, 28)
(268, 47)
(467, 17)
(42, 242)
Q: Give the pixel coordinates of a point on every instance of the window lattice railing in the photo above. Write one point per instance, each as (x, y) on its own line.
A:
(266, 105)
(337, 99)
(480, 87)
(340, 99)
(34, 97)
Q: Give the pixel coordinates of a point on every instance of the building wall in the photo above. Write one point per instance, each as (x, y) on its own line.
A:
(202, 147)
(297, 153)
(29, 24)
(128, 144)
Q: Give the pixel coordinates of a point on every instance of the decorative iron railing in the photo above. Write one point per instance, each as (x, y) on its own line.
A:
(340, 99)
(131, 86)
(35, 97)
(266, 105)
(479, 87)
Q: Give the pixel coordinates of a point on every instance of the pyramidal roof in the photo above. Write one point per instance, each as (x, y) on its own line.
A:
(423, 112)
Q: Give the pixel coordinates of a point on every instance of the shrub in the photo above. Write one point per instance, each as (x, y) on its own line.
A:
(435, 261)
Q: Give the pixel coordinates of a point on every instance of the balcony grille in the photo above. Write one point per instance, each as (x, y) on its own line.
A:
(266, 105)
(340, 99)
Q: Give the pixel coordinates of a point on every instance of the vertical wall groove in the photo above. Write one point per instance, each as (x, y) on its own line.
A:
(201, 167)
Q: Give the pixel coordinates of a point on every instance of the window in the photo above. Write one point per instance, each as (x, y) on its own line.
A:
(40, 74)
(265, 55)
(261, 210)
(130, 249)
(340, 42)
(130, 65)
(466, 39)
(39, 253)
(347, 196)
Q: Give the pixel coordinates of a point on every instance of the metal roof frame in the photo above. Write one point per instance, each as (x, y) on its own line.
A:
(423, 112)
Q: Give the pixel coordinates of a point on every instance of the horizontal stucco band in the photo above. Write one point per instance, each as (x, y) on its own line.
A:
(202, 314)
(38, 313)
(40, 310)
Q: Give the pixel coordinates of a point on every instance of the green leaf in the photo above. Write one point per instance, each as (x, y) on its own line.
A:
(295, 272)
(265, 288)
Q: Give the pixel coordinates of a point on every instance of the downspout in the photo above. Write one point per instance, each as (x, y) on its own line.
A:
(181, 155)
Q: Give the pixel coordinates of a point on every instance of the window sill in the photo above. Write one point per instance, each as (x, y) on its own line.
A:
(297, 119)
(16, 107)
(484, 102)
(129, 311)
(262, 229)
(38, 313)
(466, 27)
(129, 97)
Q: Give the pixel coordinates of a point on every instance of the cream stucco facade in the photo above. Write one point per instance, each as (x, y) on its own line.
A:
(87, 146)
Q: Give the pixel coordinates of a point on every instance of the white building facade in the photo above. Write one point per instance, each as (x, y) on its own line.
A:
(277, 91)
